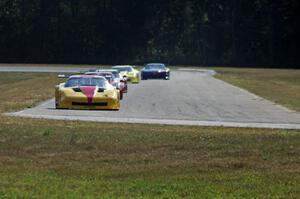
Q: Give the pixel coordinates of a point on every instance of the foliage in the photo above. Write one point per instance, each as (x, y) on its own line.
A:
(227, 32)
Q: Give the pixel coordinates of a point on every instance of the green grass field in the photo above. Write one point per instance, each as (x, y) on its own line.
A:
(60, 159)
(44, 159)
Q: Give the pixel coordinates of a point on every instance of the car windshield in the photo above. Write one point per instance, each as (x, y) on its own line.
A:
(86, 81)
(108, 76)
(155, 66)
(120, 69)
(115, 74)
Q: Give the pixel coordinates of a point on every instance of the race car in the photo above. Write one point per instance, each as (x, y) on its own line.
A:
(155, 71)
(87, 92)
(110, 78)
(130, 72)
(118, 79)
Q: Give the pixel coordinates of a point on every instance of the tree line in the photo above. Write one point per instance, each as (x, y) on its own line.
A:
(257, 33)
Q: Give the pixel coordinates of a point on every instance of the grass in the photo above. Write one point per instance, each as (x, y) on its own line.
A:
(24, 90)
(64, 159)
(278, 85)
(42, 159)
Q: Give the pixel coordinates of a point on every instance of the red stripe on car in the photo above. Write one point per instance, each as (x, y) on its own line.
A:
(89, 92)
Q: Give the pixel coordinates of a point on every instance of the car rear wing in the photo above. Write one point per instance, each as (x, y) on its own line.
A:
(76, 73)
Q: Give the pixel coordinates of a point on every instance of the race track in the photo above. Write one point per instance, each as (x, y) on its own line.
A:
(189, 98)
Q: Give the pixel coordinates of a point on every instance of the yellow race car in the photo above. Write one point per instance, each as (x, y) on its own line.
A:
(132, 74)
(87, 92)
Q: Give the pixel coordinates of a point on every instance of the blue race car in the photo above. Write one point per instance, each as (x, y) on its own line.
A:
(155, 71)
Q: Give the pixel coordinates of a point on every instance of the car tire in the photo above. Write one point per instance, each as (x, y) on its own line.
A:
(56, 105)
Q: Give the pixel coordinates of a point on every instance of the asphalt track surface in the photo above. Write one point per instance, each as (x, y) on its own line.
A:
(189, 98)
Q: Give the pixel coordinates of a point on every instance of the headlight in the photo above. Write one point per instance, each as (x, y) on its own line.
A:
(101, 90)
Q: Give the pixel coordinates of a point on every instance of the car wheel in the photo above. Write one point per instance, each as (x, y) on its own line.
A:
(56, 104)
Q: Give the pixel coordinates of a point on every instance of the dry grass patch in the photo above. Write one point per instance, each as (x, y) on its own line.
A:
(24, 90)
(278, 85)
